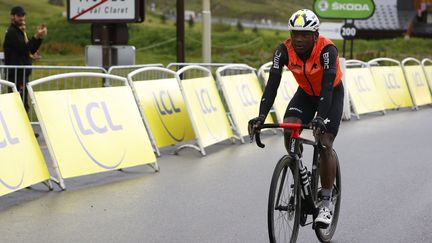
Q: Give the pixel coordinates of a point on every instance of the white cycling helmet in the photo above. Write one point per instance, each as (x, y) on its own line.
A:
(304, 20)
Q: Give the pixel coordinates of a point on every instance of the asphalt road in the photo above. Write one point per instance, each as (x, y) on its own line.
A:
(386, 194)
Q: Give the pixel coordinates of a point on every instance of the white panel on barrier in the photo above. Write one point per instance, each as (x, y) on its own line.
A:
(363, 93)
(242, 93)
(22, 163)
(91, 130)
(427, 68)
(162, 106)
(205, 107)
(417, 82)
(346, 114)
(391, 84)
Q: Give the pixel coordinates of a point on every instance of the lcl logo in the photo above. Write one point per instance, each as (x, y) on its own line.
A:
(9, 140)
(417, 80)
(88, 112)
(165, 103)
(205, 101)
(208, 109)
(246, 96)
(361, 84)
(84, 118)
(166, 107)
(390, 81)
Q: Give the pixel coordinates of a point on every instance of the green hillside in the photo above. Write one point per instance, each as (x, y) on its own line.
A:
(279, 10)
(155, 38)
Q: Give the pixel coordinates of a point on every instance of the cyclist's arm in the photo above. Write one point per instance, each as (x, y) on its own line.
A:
(328, 61)
(280, 58)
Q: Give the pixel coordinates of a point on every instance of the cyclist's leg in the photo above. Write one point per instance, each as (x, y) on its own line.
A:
(328, 159)
(327, 167)
(299, 110)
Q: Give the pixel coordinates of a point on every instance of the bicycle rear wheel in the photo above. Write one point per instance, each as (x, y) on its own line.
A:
(284, 202)
(325, 235)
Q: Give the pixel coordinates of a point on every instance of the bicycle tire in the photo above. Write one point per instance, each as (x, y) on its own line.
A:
(288, 192)
(325, 235)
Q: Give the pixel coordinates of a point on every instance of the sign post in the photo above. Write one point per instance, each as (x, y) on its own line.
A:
(345, 9)
(106, 12)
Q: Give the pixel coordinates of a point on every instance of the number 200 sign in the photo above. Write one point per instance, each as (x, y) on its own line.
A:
(348, 31)
(105, 11)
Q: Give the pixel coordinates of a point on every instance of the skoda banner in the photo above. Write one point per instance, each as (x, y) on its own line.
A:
(344, 9)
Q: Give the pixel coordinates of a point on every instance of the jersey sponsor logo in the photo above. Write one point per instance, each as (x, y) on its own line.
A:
(276, 59)
(326, 57)
(166, 107)
(87, 121)
(292, 147)
(295, 109)
(8, 140)
(295, 66)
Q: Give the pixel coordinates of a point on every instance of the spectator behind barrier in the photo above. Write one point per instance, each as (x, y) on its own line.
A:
(20, 50)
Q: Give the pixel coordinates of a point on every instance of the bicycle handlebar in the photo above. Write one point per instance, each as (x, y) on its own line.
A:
(295, 130)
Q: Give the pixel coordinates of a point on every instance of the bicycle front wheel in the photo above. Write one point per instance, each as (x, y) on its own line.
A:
(325, 235)
(284, 202)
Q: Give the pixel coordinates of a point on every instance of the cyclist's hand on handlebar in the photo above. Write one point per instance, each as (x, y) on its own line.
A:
(318, 126)
(254, 125)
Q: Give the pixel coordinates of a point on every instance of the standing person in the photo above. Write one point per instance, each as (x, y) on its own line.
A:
(314, 62)
(18, 50)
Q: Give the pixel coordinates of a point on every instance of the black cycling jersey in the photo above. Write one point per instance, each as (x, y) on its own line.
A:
(328, 57)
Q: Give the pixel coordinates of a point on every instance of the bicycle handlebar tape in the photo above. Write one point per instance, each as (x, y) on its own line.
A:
(258, 140)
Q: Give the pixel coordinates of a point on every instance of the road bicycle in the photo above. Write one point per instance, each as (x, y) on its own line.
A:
(295, 191)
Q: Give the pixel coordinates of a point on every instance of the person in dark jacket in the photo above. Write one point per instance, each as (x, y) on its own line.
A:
(18, 50)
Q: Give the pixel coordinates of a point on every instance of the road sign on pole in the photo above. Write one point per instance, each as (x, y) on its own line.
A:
(105, 11)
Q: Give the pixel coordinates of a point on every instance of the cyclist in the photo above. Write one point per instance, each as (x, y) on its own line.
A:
(314, 62)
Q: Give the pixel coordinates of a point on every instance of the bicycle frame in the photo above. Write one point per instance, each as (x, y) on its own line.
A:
(295, 153)
(302, 198)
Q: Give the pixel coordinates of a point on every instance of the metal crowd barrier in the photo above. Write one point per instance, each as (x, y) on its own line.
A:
(17, 74)
(123, 71)
(175, 66)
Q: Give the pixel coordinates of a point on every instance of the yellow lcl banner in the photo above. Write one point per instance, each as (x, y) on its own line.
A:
(391, 85)
(206, 110)
(243, 94)
(165, 111)
(418, 84)
(361, 87)
(21, 160)
(94, 130)
(428, 73)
